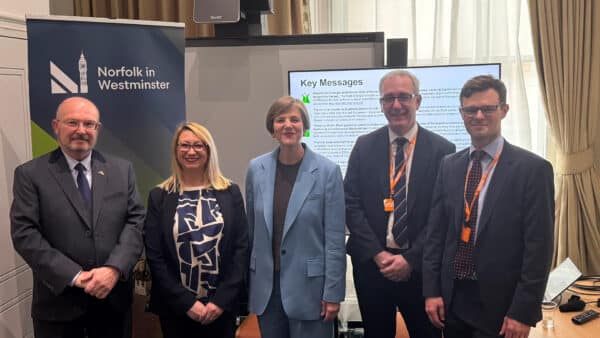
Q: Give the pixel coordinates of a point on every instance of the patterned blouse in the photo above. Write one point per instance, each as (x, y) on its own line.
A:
(197, 232)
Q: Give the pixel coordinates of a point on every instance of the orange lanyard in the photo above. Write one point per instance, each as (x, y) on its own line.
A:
(394, 180)
(484, 177)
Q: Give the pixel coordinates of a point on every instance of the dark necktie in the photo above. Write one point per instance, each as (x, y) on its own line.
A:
(464, 265)
(83, 185)
(399, 229)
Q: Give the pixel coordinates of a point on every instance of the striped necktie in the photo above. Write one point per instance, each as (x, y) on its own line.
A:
(400, 229)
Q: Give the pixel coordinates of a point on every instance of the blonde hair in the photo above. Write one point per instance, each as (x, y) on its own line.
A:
(212, 173)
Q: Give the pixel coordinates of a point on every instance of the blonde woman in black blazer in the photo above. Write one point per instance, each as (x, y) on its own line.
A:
(196, 238)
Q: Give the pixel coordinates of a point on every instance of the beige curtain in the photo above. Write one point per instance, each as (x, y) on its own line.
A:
(566, 36)
(162, 10)
(291, 17)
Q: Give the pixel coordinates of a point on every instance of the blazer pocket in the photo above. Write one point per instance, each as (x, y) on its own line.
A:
(253, 263)
(315, 267)
(315, 196)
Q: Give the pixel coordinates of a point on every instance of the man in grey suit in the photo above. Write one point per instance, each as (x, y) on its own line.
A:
(488, 243)
(388, 189)
(76, 219)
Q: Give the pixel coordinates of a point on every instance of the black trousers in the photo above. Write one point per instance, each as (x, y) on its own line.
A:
(99, 321)
(466, 318)
(181, 327)
(379, 298)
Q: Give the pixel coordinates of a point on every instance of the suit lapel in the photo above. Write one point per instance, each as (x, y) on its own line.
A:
(421, 160)
(60, 170)
(168, 221)
(302, 187)
(498, 181)
(381, 161)
(99, 178)
(223, 200)
(267, 186)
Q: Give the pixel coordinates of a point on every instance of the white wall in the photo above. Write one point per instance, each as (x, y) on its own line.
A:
(22, 7)
(15, 148)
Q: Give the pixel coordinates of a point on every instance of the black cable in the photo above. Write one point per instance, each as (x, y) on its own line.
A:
(594, 287)
(584, 293)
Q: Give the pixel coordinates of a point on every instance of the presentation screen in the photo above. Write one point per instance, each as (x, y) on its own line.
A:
(344, 104)
(230, 85)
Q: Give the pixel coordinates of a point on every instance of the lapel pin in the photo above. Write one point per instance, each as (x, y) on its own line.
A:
(101, 173)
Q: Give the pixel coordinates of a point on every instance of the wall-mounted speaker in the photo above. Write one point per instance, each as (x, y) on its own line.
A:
(216, 11)
(264, 6)
(397, 52)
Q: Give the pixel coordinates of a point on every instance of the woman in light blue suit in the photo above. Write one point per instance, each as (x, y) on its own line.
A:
(295, 206)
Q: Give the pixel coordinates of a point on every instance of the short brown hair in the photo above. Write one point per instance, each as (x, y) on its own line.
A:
(482, 83)
(283, 105)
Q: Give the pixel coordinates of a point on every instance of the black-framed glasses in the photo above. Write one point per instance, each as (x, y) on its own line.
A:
(388, 100)
(87, 125)
(486, 110)
(196, 146)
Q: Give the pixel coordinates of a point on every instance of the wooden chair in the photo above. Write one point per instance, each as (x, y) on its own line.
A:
(248, 328)
(145, 324)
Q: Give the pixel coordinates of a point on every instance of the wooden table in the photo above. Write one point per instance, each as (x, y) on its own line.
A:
(564, 327)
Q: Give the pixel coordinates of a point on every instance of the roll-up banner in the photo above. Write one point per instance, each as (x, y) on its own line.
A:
(132, 70)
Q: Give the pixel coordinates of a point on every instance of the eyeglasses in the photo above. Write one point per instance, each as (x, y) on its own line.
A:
(87, 125)
(198, 147)
(402, 98)
(486, 110)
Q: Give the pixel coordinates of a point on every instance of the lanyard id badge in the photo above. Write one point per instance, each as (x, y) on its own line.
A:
(388, 203)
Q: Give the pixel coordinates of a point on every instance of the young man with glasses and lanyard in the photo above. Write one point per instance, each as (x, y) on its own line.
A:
(388, 188)
(488, 243)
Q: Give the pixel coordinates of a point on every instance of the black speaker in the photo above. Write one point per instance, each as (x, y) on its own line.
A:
(235, 18)
(264, 6)
(216, 11)
(397, 52)
(574, 304)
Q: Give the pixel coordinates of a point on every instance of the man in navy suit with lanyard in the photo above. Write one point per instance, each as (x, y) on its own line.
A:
(489, 239)
(388, 188)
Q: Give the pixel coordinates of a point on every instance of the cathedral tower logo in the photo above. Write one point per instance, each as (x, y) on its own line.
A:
(61, 83)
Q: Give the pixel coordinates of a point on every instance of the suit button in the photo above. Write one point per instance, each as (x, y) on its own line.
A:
(283, 252)
(88, 233)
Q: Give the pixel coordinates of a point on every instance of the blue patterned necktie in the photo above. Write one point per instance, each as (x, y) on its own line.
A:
(464, 264)
(82, 184)
(399, 229)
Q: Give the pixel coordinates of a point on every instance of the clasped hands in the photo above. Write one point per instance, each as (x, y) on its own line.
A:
(393, 267)
(205, 314)
(98, 282)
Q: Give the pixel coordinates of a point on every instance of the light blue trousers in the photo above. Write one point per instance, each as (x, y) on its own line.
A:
(274, 323)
